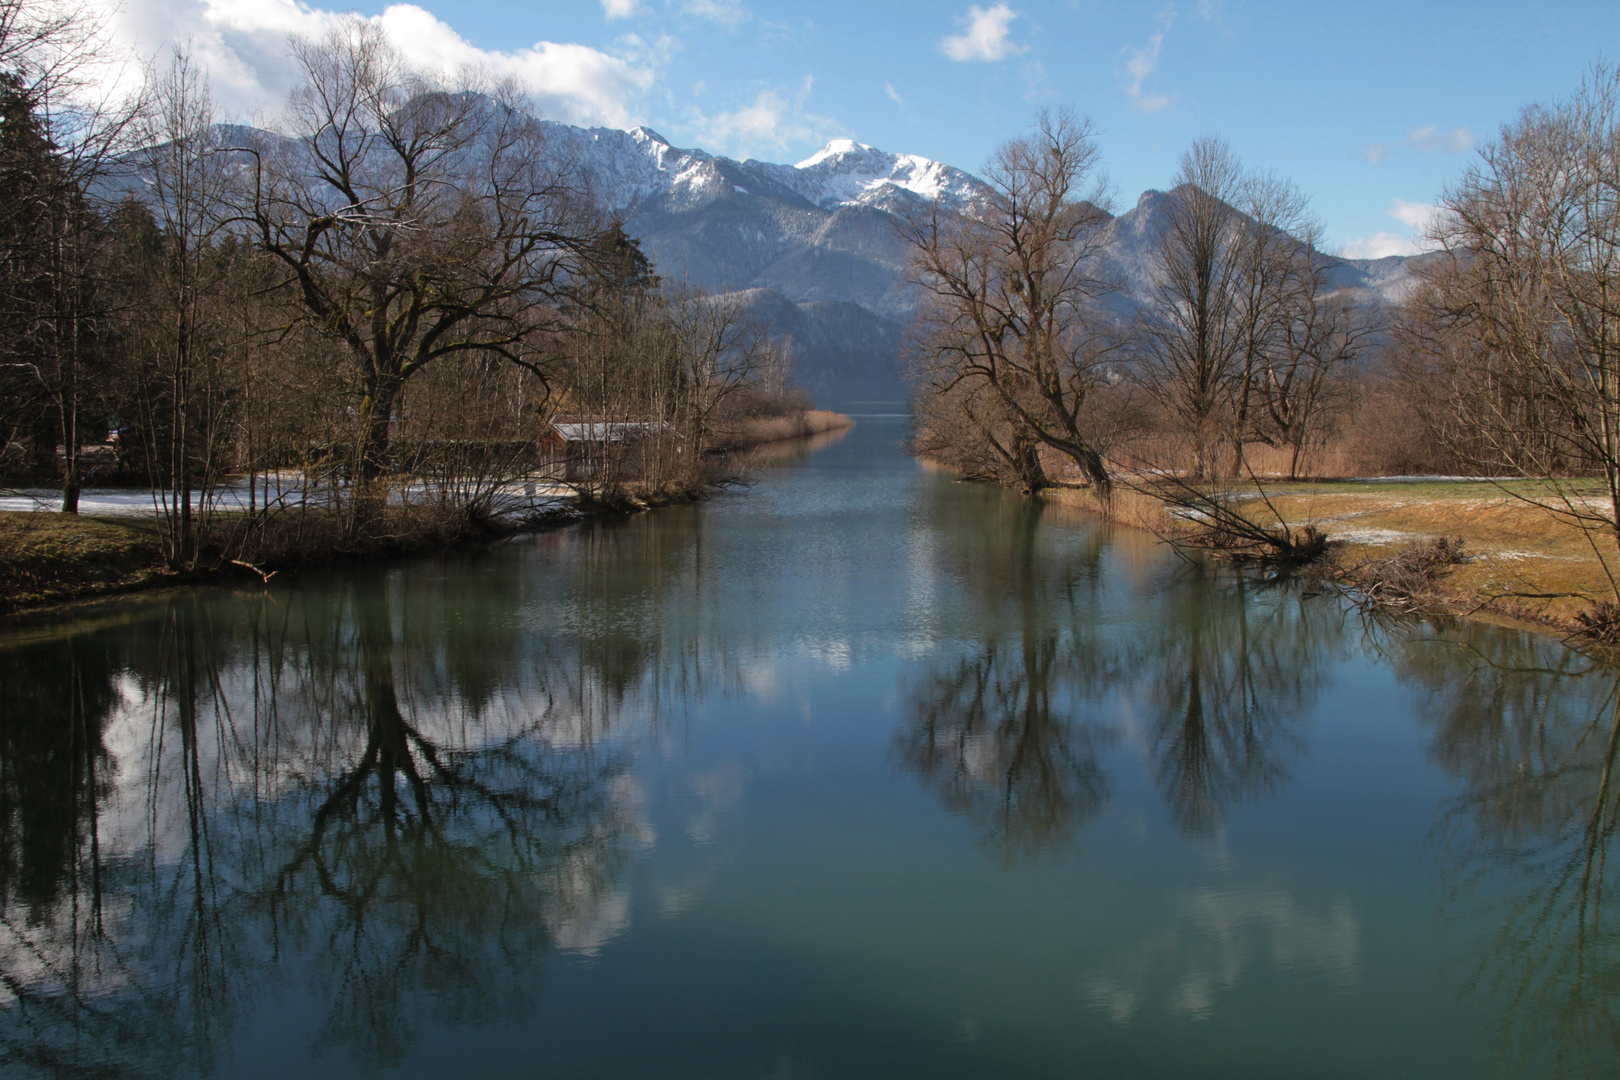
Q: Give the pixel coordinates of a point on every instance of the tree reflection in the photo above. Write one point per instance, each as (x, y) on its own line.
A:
(304, 796)
(1532, 732)
(1228, 673)
(445, 868)
(54, 933)
(1215, 670)
(985, 734)
(998, 731)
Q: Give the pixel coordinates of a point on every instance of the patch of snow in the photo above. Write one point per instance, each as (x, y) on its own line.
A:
(1374, 536)
(848, 173)
(519, 498)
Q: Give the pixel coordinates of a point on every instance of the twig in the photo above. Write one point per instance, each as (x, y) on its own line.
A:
(264, 575)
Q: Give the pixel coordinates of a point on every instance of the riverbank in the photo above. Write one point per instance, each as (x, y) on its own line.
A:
(48, 558)
(775, 429)
(1518, 561)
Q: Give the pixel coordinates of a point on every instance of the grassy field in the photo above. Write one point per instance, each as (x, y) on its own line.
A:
(1524, 561)
(45, 558)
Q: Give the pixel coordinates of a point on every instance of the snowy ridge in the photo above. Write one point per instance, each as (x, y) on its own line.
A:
(624, 168)
(627, 168)
(848, 173)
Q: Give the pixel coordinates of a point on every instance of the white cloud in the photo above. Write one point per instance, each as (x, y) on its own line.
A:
(618, 9)
(1423, 139)
(1418, 217)
(242, 46)
(729, 13)
(1378, 246)
(984, 36)
(773, 121)
(1144, 62)
(1037, 84)
(894, 95)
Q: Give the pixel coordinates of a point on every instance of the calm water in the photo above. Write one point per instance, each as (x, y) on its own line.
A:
(860, 773)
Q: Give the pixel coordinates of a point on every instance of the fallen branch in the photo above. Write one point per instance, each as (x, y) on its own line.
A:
(264, 575)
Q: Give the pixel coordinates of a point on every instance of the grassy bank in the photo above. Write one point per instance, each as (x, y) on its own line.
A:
(1518, 561)
(46, 558)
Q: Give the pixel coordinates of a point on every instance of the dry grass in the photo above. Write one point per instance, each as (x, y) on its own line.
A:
(799, 425)
(48, 557)
(1521, 561)
(1524, 561)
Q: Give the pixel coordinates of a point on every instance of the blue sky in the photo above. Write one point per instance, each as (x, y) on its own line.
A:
(1370, 108)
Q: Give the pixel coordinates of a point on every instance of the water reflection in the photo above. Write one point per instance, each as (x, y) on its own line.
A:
(1227, 677)
(1214, 938)
(313, 794)
(354, 818)
(997, 729)
(1214, 675)
(1532, 733)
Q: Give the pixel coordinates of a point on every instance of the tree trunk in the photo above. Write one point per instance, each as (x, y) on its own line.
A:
(1026, 454)
(45, 434)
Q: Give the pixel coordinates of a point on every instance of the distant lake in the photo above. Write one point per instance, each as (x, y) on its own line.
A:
(858, 772)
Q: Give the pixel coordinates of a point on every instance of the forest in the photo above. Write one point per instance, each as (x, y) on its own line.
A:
(395, 320)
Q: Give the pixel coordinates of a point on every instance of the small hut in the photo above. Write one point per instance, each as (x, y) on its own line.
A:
(593, 447)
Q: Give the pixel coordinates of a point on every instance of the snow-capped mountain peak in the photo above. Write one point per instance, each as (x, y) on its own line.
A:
(835, 148)
(845, 172)
(629, 167)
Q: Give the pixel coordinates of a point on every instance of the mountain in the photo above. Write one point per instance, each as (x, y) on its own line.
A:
(1132, 236)
(812, 248)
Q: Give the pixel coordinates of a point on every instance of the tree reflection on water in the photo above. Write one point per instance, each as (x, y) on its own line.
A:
(1531, 731)
(1228, 672)
(320, 793)
(1215, 673)
(995, 729)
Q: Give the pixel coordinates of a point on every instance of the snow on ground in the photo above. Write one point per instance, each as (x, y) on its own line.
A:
(1373, 536)
(517, 498)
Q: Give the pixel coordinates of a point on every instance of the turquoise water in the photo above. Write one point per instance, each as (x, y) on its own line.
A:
(856, 773)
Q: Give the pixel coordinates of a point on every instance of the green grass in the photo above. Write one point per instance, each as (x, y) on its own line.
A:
(48, 557)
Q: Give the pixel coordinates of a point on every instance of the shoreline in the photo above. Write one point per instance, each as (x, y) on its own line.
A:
(1519, 567)
(51, 563)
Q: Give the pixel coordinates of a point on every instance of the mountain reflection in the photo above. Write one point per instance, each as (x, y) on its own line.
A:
(322, 795)
(1214, 673)
(1531, 731)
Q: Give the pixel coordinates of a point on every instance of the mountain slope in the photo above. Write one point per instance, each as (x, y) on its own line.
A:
(813, 247)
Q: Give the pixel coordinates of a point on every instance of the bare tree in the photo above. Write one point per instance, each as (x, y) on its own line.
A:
(1235, 268)
(1278, 277)
(1011, 291)
(416, 218)
(969, 429)
(1303, 381)
(175, 337)
(1523, 313)
(1191, 334)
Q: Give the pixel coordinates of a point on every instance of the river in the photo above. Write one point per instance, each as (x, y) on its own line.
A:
(857, 772)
